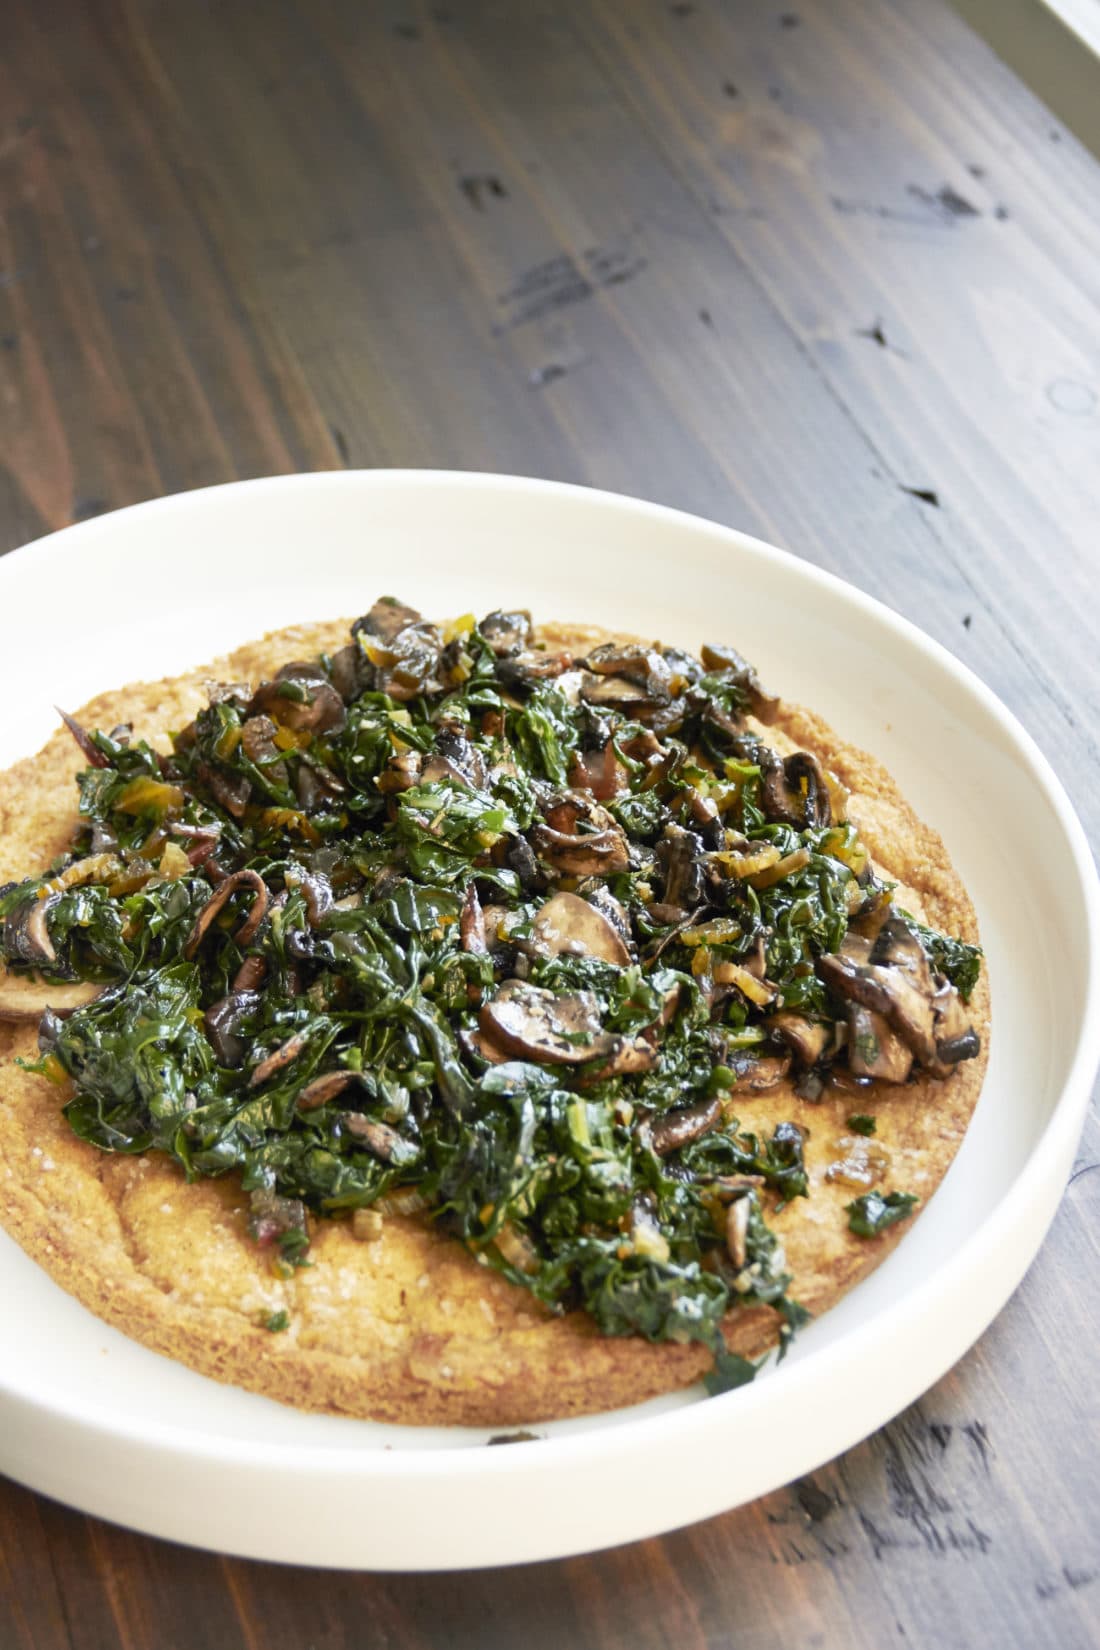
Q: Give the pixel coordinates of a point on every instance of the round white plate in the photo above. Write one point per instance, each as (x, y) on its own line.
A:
(91, 1418)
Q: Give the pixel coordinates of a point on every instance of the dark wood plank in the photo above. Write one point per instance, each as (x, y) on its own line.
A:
(602, 242)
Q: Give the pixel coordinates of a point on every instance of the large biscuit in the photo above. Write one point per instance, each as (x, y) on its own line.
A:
(410, 1328)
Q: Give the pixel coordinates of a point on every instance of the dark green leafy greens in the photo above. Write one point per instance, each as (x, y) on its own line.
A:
(874, 1212)
(501, 927)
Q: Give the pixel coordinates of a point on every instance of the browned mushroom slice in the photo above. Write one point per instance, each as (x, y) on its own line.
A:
(475, 1042)
(454, 758)
(279, 1059)
(556, 1030)
(401, 772)
(324, 1088)
(300, 697)
(806, 1039)
(379, 1138)
(757, 1075)
(889, 991)
(26, 997)
(680, 1127)
(233, 792)
(600, 850)
(874, 1048)
(737, 1230)
(222, 1021)
(633, 662)
(956, 1038)
(600, 772)
(569, 924)
(403, 648)
(628, 1058)
(472, 922)
(386, 619)
(795, 790)
(26, 931)
(258, 743)
(615, 693)
(522, 671)
(507, 633)
(246, 932)
(679, 855)
(727, 660)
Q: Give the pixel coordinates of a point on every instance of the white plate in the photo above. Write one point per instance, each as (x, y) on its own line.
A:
(93, 1419)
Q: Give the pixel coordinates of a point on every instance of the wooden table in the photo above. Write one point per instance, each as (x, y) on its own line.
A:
(829, 274)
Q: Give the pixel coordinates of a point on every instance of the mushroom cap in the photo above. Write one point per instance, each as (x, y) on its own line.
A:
(555, 1030)
(26, 997)
(567, 923)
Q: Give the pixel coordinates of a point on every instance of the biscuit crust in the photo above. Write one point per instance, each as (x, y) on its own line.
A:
(410, 1328)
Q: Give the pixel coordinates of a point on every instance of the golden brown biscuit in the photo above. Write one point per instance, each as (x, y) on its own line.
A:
(410, 1328)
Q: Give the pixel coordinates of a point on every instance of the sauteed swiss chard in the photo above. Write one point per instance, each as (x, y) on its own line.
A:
(450, 924)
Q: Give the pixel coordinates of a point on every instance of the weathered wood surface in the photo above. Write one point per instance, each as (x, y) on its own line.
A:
(827, 273)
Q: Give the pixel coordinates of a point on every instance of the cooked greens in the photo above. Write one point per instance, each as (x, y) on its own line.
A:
(453, 922)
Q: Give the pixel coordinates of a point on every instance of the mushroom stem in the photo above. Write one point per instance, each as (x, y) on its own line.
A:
(246, 932)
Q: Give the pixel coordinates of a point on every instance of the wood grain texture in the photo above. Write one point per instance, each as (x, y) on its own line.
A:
(821, 270)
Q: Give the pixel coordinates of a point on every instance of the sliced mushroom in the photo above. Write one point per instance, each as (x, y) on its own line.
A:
(737, 1230)
(232, 791)
(891, 976)
(616, 693)
(679, 854)
(454, 758)
(402, 647)
(520, 672)
(608, 906)
(258, 743)
(507, 633)
(324, 1089)
(760, 1073)
(26, 997)
(632, 662)
(300, 697)
(475, 1042)
(680, 1127)
(600, 772)
(628, 1058)
(556, 1030)
(401, 772)
(517, 855)
(386, 619)
(316, 890)
(352, 673)
(727, 661)
(805, 1038)
(250, 975)
(795, 790)
(222, 1021)
(956, 1038)
(379, 1138)
(569, 924)
(247, 931)
(26, 933)
(279, 1059)
(472, 922)
(601, 850)
(874, 1048)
